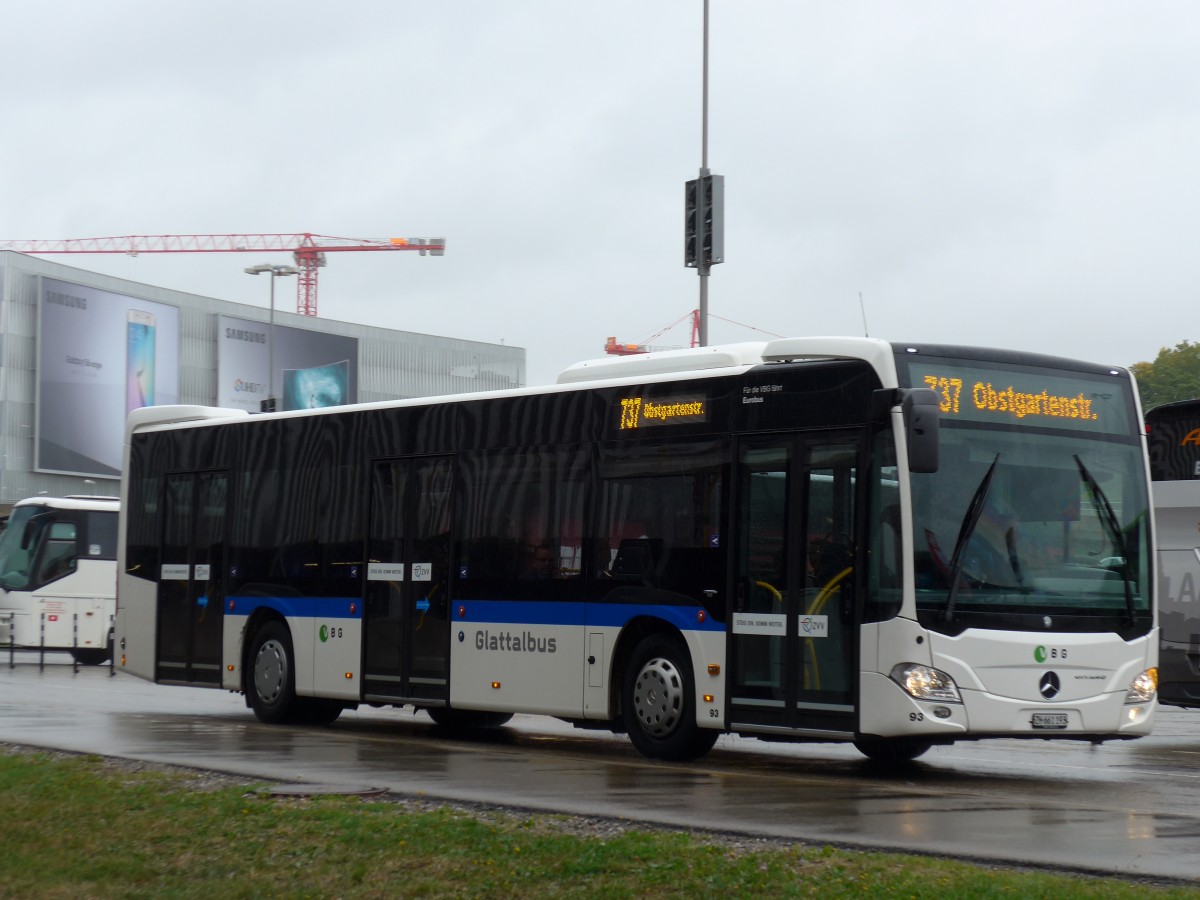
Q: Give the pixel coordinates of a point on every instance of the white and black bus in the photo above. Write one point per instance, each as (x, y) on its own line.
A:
(820, 539)
(1174, 435)
(58, 576)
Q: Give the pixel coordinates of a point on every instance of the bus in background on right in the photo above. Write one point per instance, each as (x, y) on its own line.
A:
(1174, 442)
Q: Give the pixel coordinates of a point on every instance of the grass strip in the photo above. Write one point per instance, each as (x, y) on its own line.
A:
(85, 827)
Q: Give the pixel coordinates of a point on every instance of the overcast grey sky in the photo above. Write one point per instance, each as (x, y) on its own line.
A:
(1013, 173)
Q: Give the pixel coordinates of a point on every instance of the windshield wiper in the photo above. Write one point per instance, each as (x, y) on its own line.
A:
(1114, 526)
(1010, 542)
(970, 520)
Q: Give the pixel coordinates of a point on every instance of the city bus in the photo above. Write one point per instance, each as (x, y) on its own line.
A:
(1174, 437)
(58, 576)
(808, 539)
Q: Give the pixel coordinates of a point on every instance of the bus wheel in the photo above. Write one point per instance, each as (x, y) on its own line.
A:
(92, 656)
(891, 750)
(658, 702)
(272, 673)
(462, 720)
(316, 711)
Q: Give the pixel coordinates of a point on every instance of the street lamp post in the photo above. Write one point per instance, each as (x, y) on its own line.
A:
(275, 271)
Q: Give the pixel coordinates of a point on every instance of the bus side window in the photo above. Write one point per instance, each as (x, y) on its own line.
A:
(59, 553)
(637, 557)
(521, 524)
(660, 523)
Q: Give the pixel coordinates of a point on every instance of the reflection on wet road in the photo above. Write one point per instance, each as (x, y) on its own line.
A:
(1131, 807)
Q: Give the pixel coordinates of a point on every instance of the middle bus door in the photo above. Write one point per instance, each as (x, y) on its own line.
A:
(406, 630)
(793, 625)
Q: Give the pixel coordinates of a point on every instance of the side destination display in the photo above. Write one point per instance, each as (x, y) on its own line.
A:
(647, 412)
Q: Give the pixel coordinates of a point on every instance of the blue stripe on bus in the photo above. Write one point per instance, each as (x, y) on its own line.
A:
(595, 615)
(297, 607)
(492, 612)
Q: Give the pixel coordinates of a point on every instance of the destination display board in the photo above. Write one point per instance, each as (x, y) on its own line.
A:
(646, 411)
(1035, 396)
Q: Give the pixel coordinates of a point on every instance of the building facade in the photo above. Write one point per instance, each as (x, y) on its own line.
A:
(78, 349)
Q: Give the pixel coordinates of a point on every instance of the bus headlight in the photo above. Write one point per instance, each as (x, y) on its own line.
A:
(925, 683)
(1143, 688)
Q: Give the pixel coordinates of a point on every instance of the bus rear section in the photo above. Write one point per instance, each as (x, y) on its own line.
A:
(58, 576)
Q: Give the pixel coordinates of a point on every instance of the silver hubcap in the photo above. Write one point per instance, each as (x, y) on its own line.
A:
(270, 671)
(658, 697)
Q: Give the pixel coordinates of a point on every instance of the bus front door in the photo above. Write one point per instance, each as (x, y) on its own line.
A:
(792, 623)
(191, 593)
(406, 609)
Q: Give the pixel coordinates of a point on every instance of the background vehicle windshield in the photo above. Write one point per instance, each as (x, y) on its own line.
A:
(15, 550)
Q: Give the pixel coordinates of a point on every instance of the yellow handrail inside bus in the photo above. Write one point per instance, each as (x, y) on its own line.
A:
(823, 597)
(774, 591)
(832, 586)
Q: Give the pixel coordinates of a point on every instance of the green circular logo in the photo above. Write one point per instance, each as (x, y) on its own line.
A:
(1039, 652)
(324, 635)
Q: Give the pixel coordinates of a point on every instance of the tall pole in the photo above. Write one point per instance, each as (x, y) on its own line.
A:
(274, 271)
(271, 347)
(703, 265)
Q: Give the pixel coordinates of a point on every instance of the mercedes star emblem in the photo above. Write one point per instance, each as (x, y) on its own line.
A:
(1049, 686)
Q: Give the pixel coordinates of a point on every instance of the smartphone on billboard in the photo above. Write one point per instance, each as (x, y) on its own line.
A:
(139, 375)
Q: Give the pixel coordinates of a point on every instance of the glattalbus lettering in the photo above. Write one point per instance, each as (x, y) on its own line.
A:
(1020, 404)
(518, 642)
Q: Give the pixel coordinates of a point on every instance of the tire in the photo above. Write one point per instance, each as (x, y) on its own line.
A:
(891, 751)
(466, 720)
(316, 711)
(92, 656)
(658, 702)
(272, 683)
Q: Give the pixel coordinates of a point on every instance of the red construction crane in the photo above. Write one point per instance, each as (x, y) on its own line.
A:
(616, 348)
(307, 249)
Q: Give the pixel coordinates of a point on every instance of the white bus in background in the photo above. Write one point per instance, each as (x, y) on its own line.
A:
(58, 576)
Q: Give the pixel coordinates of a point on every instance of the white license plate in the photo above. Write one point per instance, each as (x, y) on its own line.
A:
(1050, 720)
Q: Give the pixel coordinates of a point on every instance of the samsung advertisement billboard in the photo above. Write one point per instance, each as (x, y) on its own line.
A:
(304, 369)
(100, 355)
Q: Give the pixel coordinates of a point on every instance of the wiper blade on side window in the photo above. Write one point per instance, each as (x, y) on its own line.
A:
(965, 530)
(1114, 526)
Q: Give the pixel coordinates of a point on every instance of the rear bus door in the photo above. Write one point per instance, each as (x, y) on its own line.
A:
(191, 592)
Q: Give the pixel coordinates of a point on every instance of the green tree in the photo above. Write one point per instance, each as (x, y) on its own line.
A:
(1174, 375)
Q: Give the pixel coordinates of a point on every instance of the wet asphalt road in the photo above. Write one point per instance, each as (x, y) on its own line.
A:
(1127, 807)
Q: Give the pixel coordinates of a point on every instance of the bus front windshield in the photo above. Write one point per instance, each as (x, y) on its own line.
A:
(17, 547)
(1033, 528)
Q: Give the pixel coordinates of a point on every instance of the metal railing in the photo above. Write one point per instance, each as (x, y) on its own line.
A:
(41, 649)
